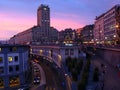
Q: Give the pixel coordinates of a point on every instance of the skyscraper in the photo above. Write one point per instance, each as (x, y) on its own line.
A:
(43, 18)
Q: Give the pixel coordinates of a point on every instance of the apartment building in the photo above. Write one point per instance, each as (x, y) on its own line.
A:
(14, 65)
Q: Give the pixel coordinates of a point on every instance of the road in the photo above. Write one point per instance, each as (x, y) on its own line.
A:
(43, 79)
(112, 79)
(53, 79)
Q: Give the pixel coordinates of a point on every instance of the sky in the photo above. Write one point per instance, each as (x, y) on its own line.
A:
(19, 15)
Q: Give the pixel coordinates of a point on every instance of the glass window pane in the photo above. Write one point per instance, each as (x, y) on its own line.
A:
(10, 59)
(1, 60)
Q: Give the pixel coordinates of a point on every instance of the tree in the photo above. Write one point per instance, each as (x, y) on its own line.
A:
(96, 75)
(74, 75)
(68, 59)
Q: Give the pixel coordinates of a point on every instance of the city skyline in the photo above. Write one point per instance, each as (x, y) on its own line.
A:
(68, 14)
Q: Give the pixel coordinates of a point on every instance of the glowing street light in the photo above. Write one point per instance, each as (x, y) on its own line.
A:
(117, 26)
(114, 36)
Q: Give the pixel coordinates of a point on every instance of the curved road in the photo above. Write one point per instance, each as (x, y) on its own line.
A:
(43, 78)
(53, 78)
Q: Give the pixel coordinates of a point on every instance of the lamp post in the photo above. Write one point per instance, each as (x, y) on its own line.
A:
(118, 33)
(114, 38)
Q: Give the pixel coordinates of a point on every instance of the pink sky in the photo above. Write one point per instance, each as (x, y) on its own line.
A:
(19, 15)
(13, 23)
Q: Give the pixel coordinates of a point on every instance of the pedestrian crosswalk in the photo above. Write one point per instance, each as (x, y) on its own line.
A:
(49, 88)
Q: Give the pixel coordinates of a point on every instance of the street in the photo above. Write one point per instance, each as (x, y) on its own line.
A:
(53, 78)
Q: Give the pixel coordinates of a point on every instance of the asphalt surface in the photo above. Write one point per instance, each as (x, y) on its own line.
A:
(53, 78)
(43, 78)
(111, 77)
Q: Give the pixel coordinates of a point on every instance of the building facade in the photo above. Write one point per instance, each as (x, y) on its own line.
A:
(67, 36)
(25, 37)
(79, 36)
(13, 66)
(107, 26)
(87, 34)
(53, 35)
(40, 34)
(99, 30)
(58, 54)
(43, 18)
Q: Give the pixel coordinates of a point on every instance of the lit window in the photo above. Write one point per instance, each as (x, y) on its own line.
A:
(0, 49)
(1, 83)
(14, 49)
(1, 60)
(14, 81)
(45, 8)
(10, 59)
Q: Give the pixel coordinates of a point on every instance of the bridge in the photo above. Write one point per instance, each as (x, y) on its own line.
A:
(56, 54)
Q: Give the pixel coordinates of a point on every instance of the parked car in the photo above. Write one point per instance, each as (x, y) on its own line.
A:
(36, 80)
(36, 70)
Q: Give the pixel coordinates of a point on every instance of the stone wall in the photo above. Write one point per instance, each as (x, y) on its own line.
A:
(112, 56)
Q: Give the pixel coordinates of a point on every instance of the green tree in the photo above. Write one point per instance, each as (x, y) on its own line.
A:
(96, 75)
(74, 75)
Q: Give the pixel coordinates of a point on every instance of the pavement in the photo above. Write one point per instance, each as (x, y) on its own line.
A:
(111, 79)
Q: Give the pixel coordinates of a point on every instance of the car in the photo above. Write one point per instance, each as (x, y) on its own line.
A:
(36, 70)
(36, 80)
(35, 67)
(23, 88)
(66, 74)
(91, 87)
(35, 60)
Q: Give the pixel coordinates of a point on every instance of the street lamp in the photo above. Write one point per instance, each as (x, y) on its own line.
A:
(114, 38)
(118, 33)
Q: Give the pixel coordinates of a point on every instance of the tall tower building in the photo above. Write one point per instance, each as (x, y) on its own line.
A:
(43, 18)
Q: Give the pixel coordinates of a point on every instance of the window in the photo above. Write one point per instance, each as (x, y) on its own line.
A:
(0, 49)
(10, 69)
(71, 51)
(1, 60)
(1, 83)
(79, 51)
(16, 58)
(66, 51)
(10, 49)
(45, 8)
(14, 49)
(17, 67)
(14, 81)
(1, 70)
(10, 59)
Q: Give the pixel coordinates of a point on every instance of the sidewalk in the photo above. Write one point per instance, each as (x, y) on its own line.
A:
(111, 79)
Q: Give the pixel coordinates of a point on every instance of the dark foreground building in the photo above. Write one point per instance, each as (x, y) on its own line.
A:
(14, 66)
